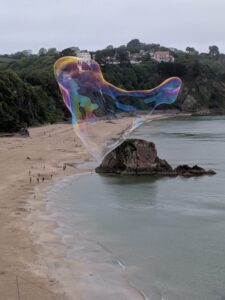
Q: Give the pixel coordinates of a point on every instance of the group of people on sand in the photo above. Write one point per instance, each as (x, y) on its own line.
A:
(39, 178)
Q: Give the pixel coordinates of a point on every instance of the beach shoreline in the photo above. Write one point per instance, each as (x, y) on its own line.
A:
(102, 277)
(30, 166)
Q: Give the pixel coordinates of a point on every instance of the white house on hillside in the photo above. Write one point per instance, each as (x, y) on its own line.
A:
(85, 55)
(163, 56)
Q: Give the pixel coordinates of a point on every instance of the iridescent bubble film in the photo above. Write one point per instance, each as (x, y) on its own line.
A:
(103, 114)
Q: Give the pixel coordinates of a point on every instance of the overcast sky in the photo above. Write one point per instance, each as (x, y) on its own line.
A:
(94, 24)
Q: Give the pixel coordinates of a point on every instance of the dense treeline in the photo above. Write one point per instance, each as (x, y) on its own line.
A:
(29, 94)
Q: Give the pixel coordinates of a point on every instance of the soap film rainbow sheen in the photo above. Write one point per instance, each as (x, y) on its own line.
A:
(94, 104)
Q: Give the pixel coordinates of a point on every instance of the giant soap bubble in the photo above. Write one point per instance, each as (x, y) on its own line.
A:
(102, 114)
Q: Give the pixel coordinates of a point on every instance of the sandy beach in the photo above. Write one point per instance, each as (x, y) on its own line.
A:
(28, 165)
(29, 248)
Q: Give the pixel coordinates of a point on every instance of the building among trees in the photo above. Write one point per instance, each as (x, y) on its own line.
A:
(163, 56)
(85, 55)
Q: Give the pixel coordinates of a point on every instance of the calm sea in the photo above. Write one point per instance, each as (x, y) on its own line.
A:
(168, 233)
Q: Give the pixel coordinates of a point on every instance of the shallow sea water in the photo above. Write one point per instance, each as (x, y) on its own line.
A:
(168, 233)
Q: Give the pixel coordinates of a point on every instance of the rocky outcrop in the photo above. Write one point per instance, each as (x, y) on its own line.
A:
(187, 171)
(24, 132)
(139, 157)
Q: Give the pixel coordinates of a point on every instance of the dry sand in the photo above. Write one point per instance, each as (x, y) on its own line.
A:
(22, 160)
(32, 258)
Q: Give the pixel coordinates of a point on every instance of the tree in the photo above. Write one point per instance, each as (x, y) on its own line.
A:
(110, 47)
(52, 51)
(27, 52)
(71, 51)
(18, 55)
(214, 51)
(105, 56)
(122, 55)
(100, 57)
(134, 46)
(42, 51)
(146, 57)
(21, 54)
(191, 50)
